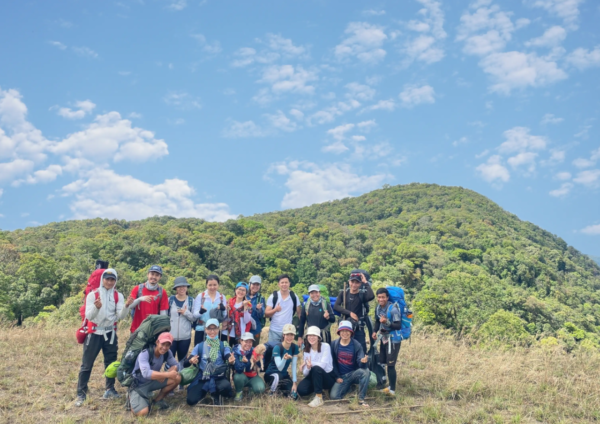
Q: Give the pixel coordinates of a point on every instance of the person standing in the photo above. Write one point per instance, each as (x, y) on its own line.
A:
(182, 318)
(148, 298)
(352, 304)
(316, 312)
(239, 320)
(317, 367)
(103, 308)
(244, 374)
(282, 305)
(349, 365)
(388, 322)
(258, 307)
(209, 304)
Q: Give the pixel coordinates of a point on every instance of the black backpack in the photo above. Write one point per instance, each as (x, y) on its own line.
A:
(376, 368)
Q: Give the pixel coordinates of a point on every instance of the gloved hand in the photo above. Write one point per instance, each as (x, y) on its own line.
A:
(221, 307)
(202, 310)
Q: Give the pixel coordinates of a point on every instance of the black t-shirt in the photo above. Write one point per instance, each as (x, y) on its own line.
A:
(354, 302)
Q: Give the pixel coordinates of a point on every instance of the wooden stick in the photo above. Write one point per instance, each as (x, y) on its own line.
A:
(346, 400)
(227, 406)
(372, 410)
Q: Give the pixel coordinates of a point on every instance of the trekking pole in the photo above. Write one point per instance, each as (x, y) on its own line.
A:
(345, 294)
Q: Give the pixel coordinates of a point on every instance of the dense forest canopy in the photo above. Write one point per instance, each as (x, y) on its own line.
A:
(467, 265)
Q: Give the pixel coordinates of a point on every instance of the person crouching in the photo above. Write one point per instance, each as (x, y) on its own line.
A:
(246, 375)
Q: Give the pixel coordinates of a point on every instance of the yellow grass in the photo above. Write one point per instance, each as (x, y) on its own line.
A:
(452, 383)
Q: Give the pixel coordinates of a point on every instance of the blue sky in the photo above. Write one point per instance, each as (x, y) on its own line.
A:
(213, 109)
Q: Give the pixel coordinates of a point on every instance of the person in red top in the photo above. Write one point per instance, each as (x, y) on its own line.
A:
(148, 298)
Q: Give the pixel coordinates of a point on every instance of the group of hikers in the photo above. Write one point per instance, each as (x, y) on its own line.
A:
(226, 340)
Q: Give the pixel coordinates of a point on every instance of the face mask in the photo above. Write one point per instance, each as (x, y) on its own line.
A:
(212, 338)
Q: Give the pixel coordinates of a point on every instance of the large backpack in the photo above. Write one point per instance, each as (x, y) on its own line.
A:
(140, 294)
(141, 339)
(92, 284)
(172, 300)
(397, 298)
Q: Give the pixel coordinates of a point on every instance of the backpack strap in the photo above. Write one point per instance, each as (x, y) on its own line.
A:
(190, 303)
(140, 288)
(171, 300)
(275, 298)
(160, 294)
(294, 302)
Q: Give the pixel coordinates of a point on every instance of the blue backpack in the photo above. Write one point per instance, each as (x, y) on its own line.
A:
(397, 298)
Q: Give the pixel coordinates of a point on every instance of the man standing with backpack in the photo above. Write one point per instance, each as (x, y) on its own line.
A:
(148, 298)
(317, 312)
(388, 323)
(282, 305)
(103, 308)
(258, 307)
(352, 303)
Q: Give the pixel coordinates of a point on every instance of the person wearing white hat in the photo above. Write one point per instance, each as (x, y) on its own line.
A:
(316, 312)
(258, 307)
(244, 374)
(317, 367)
(284, 355)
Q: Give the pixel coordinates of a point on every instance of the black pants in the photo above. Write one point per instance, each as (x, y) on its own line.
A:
(359, 336)
(196, 392)
(316, 381)
(389, 359)
(91, 348)
(180, 348)
(285, 383)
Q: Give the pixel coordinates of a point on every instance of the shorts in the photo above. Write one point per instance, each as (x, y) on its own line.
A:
(389, 358)
(139, 398)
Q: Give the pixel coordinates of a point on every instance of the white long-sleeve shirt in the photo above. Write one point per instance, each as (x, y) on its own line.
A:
(109, 313)
(319, 359)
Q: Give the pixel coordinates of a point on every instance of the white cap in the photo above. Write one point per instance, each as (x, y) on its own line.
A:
(289, 329)
(313, 331)
(256, 279)
(247, 336)
(314, 287)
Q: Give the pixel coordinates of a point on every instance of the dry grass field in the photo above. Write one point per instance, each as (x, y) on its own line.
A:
(439, 381)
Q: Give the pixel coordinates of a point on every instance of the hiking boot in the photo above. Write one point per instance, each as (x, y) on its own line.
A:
(162, 405)
(316, 402)
(239, 396)
(218, 400)
(111, 394)
(79, 401)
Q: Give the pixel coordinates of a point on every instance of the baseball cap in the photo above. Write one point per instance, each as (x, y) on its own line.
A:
(356, 276)
(109, 273)
(314, 287)
(345, 325)
(155, 268)
(210, 322)
(247, 336)
(165, 338)
(256, 279)
(289, 329)
(241, 284)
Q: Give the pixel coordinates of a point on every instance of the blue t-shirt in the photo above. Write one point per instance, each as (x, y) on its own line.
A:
(279, 352)
(346, 362)
(179, 303)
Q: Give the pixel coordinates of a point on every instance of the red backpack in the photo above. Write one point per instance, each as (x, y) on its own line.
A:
(88, 327)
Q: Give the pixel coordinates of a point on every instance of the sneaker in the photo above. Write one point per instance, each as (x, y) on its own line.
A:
(239, 396)
(162, 404)
(294, 396)
(388, 391)
(218, 400)
(363, 403)
(316, 402)
(79, 401)
(111, 394)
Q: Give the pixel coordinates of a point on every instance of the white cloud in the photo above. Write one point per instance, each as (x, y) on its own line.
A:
(211, 47)
(567, 10)
(339, 132)
(552, 37)
(130, 198)
(247, 56)
(596, 154)
(523, 159)
(516, 70)
(244, 130)
(588, 178)
(364, 41)
(85, 52)
(112, 137)
(177, 5)
(14, 169)
(518, 139)
(84, 108)
(592, 230)
(556, 157)
(563, 190)
(359, 91)
(57, 44)
(42, 176)
(462, 140)
(280, 121)
(563, 176)
(182, 100)
(551, 119)
(426, 46)
(413, 95)
(285, 46)
(328, 114)
(493, 170)
(583, 58)
(308, 183)
(388, 105)
(287, 78)
(337, 147)
(583, 163)
(584, 132)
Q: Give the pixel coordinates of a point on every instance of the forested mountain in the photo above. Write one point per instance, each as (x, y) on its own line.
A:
(596, 259)
(467, 265)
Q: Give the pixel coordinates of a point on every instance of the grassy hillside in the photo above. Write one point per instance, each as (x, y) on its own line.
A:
(468, 266)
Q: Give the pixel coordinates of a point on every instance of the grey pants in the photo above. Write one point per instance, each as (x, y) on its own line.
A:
(91, 348)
